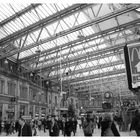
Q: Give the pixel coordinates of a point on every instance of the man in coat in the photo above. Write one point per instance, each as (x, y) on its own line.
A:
(135, 125)
(25, 129)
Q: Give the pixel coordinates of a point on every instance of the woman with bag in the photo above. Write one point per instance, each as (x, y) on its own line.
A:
(108, 127)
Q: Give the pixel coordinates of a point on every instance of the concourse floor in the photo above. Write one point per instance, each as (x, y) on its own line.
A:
(97, 133)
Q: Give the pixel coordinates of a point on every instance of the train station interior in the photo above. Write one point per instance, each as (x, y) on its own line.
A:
(57, 57)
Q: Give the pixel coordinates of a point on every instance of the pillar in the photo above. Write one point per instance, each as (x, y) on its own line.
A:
(33, 111)
(4, 114)
(17, 108)
(40, 112)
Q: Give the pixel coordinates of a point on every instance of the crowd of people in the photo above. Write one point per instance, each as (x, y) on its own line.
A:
(67, 126)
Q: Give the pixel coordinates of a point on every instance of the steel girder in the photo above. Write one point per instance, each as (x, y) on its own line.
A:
(110, 31)
(101, 75)
(93, 84)
(78, 50)
(91, 54)
(96, 87)
(18, 14)
(109, 64)
(119, 12)
(61, 14)
(79, 27)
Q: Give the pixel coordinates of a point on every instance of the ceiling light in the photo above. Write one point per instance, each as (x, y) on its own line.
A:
(81, 36)
(5, 61)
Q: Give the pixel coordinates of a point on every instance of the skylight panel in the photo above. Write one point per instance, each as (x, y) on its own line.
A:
(32, 14)
(26, 20)
(53, 10)
(50, 29)
(17, 22)
(7, 9)
(34, 35)
(25, 54)
(47, 7)
(8, 29)
(60, 6)
(45, 10)
(3, 34)
(2, 15)
(41, 12)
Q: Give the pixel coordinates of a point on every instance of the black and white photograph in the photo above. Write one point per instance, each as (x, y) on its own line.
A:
(69, 69)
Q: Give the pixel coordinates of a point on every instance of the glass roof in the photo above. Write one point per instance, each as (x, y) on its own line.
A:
(66, 38)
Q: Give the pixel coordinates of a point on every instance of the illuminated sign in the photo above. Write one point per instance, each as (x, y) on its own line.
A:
(132, 59)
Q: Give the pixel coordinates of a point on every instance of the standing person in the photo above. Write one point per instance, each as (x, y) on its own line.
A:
(7, 127)
(54, 129)
(34, 128)
(39, 125)
(44, 122)
(99, 121)
(79, 123)
(17, 126)
(135, 125)
(108, 127)
(68, 127)
(74, 125)
(63, 126)
(25, 129)
(87, 126)
(60, 124)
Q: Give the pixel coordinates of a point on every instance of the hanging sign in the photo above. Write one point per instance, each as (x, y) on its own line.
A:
(132, 61)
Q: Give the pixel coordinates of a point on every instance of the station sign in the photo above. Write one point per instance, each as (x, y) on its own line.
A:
(132, 61)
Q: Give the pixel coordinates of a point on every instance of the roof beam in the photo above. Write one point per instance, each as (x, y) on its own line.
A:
(83, 56)
(18, 14)
(89, 77)
(85, 60)
(46, 21)
(94, 82)
(130, 25)
(88, 69)
(22, 61)
(79, 27)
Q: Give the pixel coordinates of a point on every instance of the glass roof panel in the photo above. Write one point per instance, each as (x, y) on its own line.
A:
(7, 11)
(30, 17)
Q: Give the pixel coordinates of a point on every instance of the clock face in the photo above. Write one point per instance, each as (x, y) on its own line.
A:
(107, 94)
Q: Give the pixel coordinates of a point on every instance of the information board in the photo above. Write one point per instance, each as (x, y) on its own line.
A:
(132, 61)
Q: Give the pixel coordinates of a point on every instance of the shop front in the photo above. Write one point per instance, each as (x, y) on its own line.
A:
(11, 112)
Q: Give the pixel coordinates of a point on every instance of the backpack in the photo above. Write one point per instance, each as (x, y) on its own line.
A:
(87, 128)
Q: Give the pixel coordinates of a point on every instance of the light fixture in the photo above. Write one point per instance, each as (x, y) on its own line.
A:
(91, 98)
(5, 61)
(38, 51)
(31, 74)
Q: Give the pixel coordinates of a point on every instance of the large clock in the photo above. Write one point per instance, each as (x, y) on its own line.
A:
(107, 95)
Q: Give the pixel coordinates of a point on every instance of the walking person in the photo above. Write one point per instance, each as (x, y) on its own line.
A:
(68, 127)
(39, 125)
(74, 125)
(108, 127)
(25, 129)
(7, 127)
(44, 123)
(88, 126)
(54, 129)
(135, 125)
